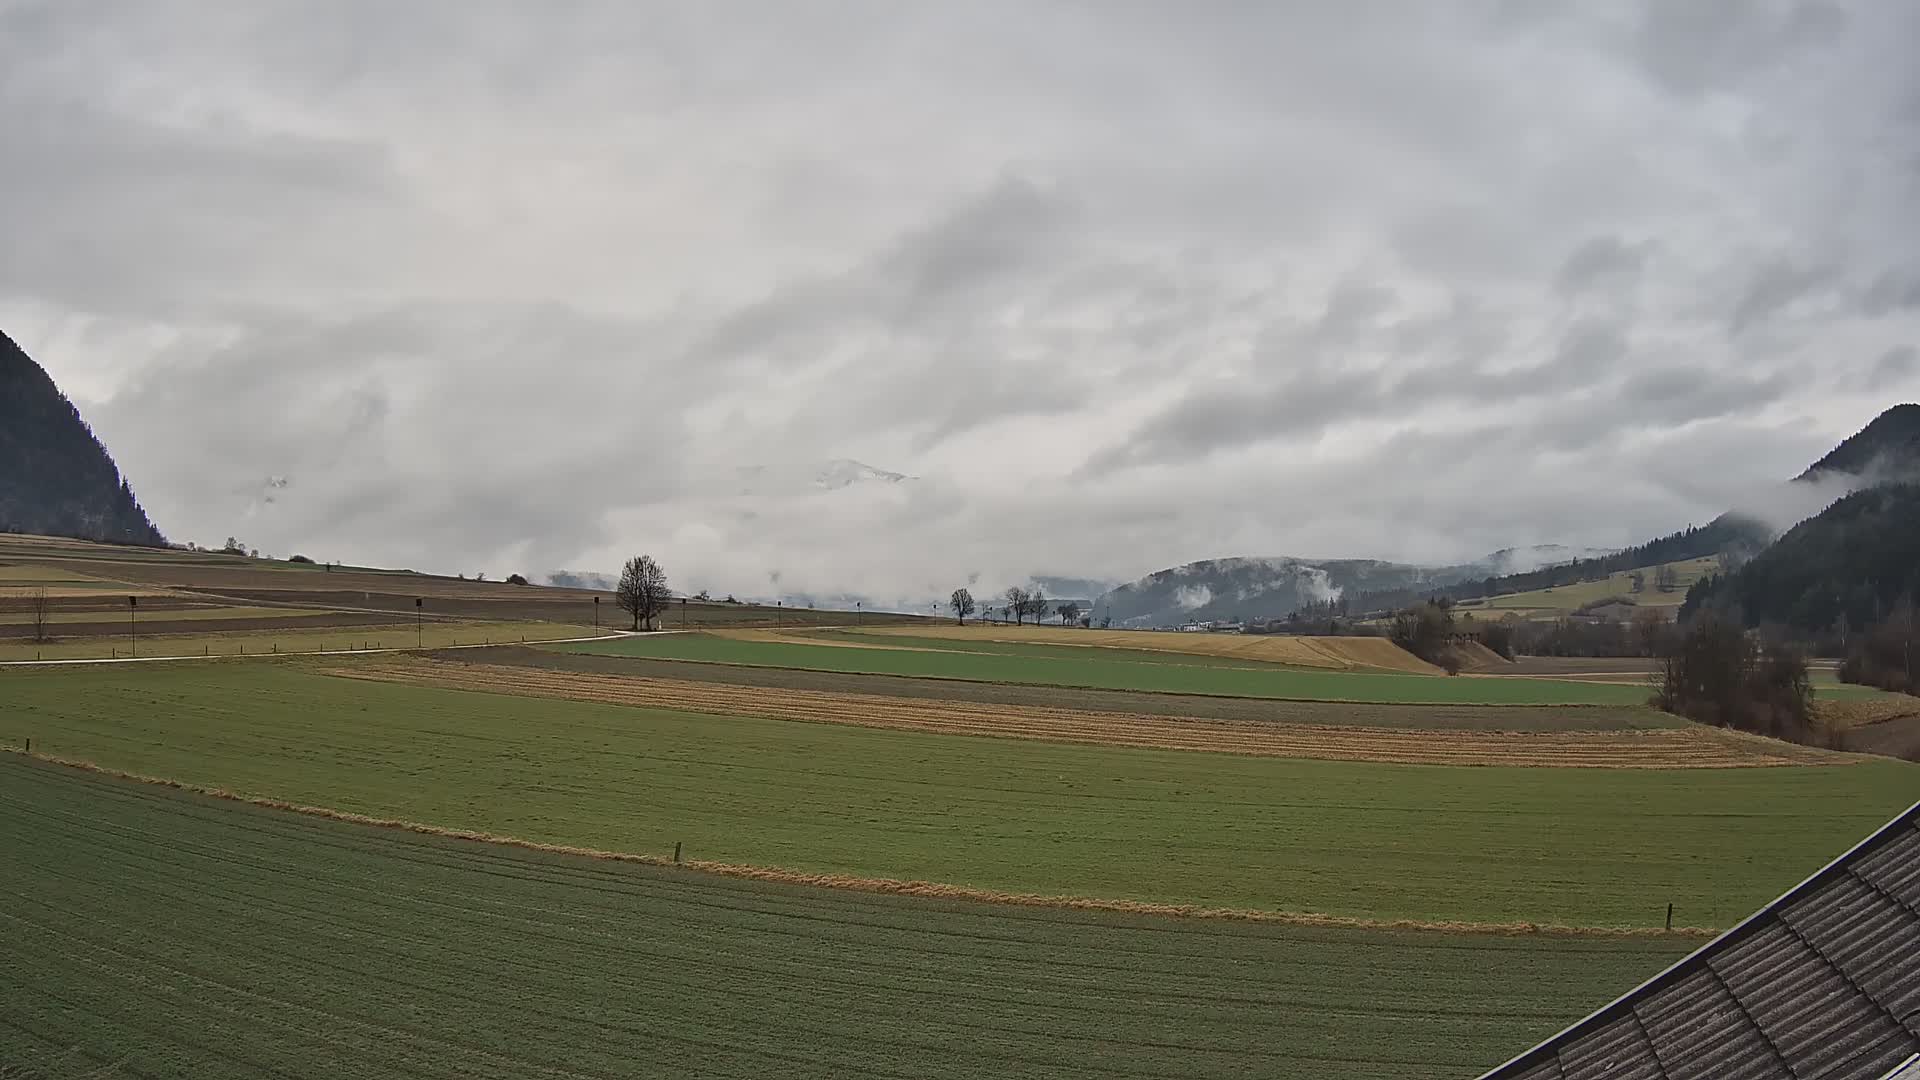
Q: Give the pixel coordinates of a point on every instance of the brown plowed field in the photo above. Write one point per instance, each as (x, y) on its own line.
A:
(1888, 726)
(1335, 653)
(1086, 699)
(1692, 747)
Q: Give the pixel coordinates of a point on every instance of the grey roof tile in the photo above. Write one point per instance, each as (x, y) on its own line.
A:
(1822, 984)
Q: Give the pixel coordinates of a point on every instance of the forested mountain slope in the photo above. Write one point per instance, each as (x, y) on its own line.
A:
(55, 476)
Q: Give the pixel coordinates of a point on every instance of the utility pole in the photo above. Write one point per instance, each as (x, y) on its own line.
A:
(419, 629)
(857, 613)
(132, 632)
(596, 614)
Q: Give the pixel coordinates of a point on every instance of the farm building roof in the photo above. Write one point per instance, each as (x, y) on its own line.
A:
(1821, 984)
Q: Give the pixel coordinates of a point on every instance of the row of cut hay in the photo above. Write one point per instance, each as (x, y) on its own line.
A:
(1327, 653)
(1685, 747)
(1863, 711)
(894, 886)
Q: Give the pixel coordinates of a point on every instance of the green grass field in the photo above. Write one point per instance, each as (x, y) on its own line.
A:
(1486, 844)
(1039, 651)
(1164, 673)
(118, 615)
(1564, 599)
(153, 933)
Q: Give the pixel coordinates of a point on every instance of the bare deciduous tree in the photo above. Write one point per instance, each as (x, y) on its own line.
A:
(1037, 604)
(962, 604)
(642, 592)
(39, 608)
(1069, 612)
(1017, 603)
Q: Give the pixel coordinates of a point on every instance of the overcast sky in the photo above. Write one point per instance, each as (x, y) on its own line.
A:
(516, 287)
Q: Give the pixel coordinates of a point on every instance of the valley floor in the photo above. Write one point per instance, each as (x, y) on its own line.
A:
(156, 933)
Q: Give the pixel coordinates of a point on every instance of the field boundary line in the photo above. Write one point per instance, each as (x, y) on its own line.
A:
(615, 636)
(932, 890)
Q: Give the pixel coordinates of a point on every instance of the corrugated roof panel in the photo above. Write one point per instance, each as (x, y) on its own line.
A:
(1545, 1070)
(1617, 1051)
(1700, 1031)
(1896, 867)
(1822, 984)
(1852, 925)
(1906, 1070)
(1873, 1060)
(1800, 1000)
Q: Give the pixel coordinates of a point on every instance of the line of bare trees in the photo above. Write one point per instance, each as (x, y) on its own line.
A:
(1026, 603)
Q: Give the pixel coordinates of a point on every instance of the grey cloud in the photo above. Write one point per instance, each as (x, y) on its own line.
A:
(1305, 405)
(1774, 287)
(1891, 291)
(1601, 260)
(1692, 48)
(1004, 231)
(1351, 306)
(368, 450)
(1687, 394)
(103, 209)
(1591, 346)
(1896, 364)
(1225, 417)
(1116, 284)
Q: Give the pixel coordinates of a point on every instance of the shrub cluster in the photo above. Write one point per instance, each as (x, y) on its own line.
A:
(1716, 673)
(1884, 655)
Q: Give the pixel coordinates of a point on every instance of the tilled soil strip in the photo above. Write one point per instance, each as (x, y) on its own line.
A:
(1694, 747)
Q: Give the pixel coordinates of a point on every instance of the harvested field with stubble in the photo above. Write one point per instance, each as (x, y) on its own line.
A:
(1374, 841)
(1140, 671)
(1331, 653)
(155, 933)
(1691, 747)
(1207, 706)
(1888, 724)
